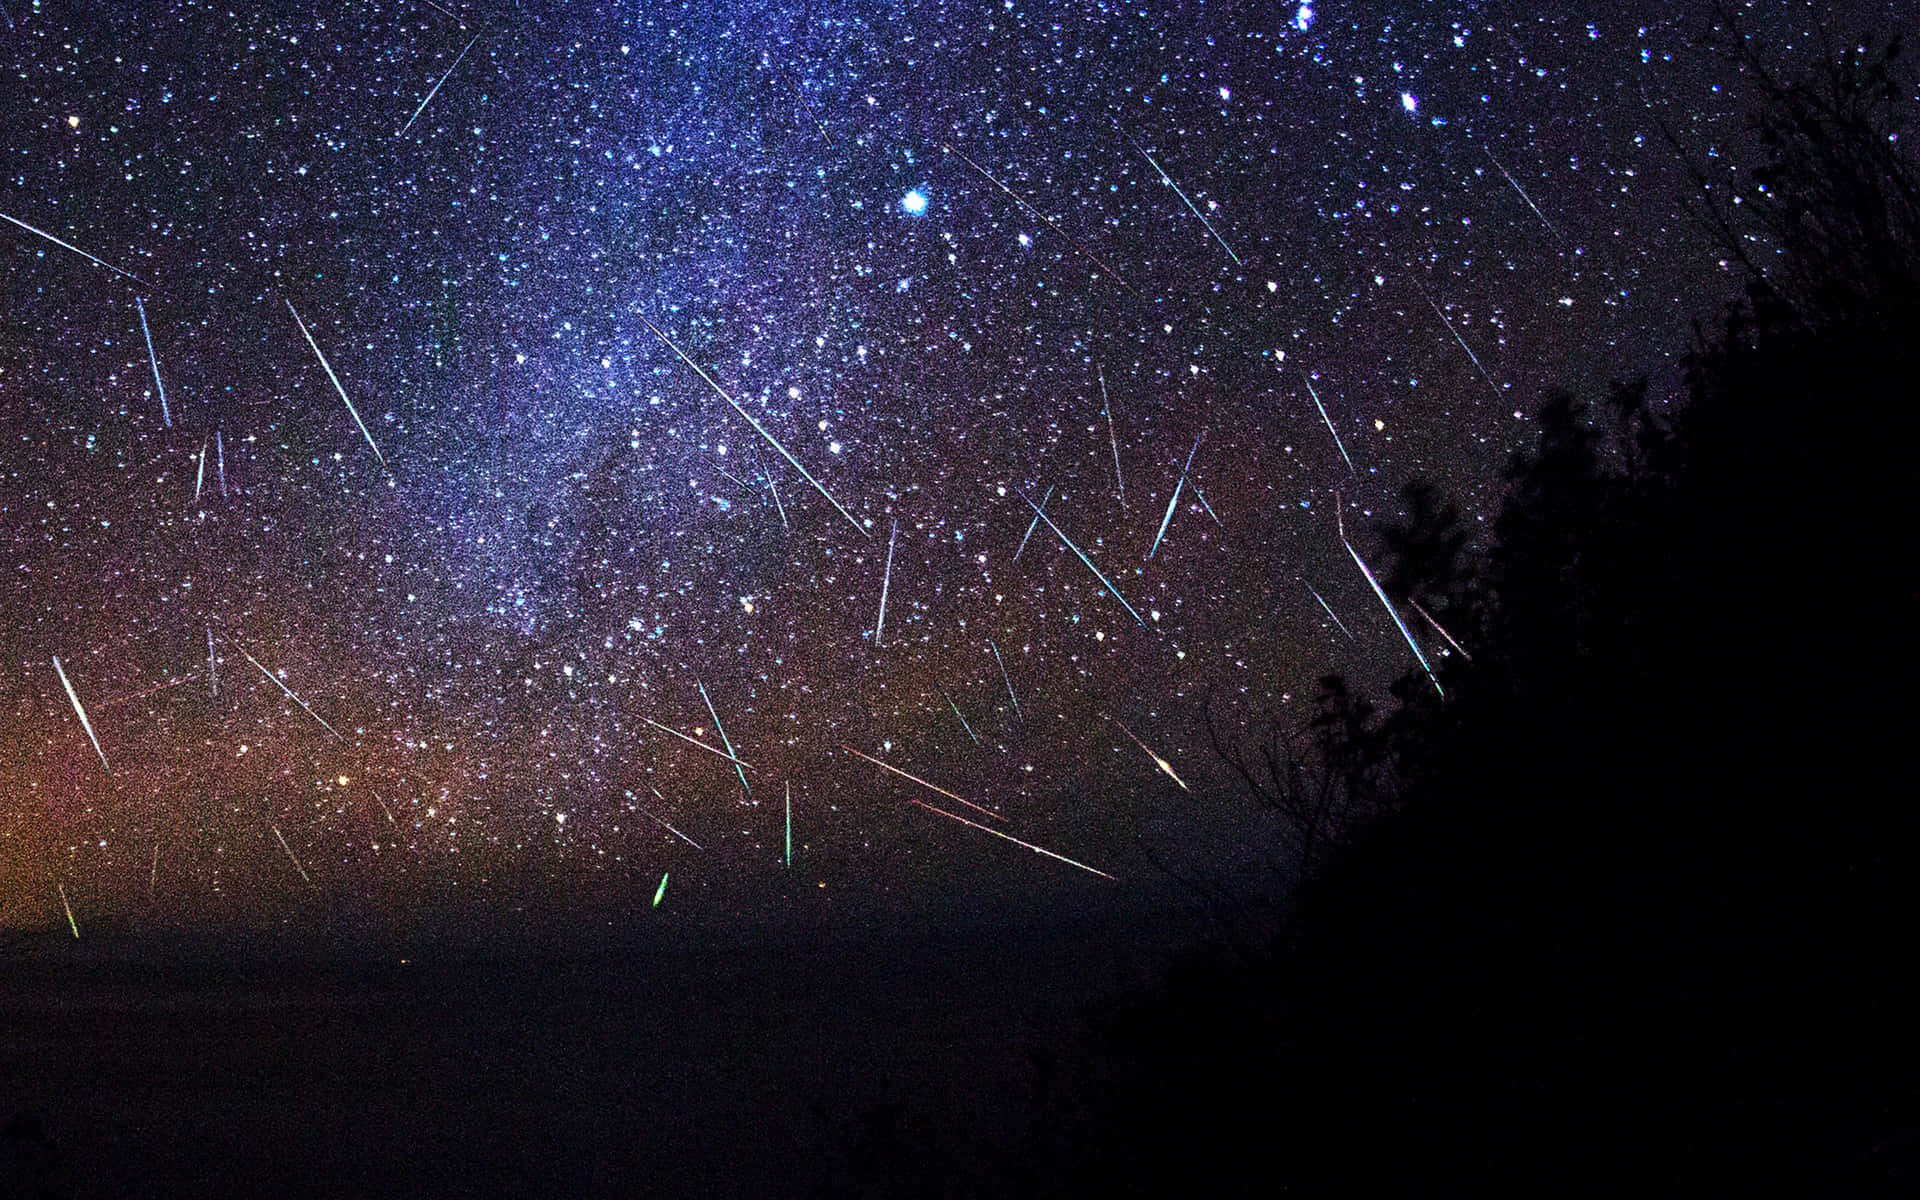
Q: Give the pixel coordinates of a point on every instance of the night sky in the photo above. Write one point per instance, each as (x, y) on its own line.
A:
(945, 255)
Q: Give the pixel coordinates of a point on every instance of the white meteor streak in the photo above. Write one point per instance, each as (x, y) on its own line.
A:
(1162, 763)
(1044, 219)
(1168, 180)
(661, 822)
(1112, 442)
(77, 250)
(336, 384)
(213, 672)
(1009, 837)
(290, 854)
(1442, 628)
(1033, 524)
(886, 581)
(436, 87)
(697, 742)
(738, 767)
(1456, 337)
(1330, 612)
(1202, 497)
(200, 476)
(220, 460)
(1330, 429)
(923, 783)
(153, 360)
(956, 713)
(1005, 679)
(84, 723)
(1406, 633)
(1083, 558)
(1174, 499)
(757, 427)
(289, 691)
(1522, 191)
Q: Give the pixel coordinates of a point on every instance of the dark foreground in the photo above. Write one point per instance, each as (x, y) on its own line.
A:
(696, 1067)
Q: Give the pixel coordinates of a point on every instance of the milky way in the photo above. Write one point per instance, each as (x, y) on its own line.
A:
(425, 463)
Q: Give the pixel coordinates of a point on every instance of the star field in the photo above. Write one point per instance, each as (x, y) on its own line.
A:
(944, 255)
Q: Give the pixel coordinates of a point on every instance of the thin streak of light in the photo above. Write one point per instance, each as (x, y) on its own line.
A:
(1009, 837)
(1006, 679)
(1162, 763)
(1521, 190)
(1083, 558)
(923, 783)
(364, 432)
(1442, 628)
(662, 889)
(436, 86)
(1203, 504)
(738, 767)
(158, 687)
(1168, 180)
(153, 876)
(1406, 633)
(1330, 612)
(290, 854)
(1330, 429)
(1174, 499)
(956, 712)
(1112, 441)
(1456, 337)
(153, 360)
(77, 250)
(661, 822)
(71, 923)
(220, 460)
(1033, 524)
(289, 691)
(213, 672)
(84, 723)
(886, 581)
(1046, 220)
(697, 742)
(757, 427)
(200, 476)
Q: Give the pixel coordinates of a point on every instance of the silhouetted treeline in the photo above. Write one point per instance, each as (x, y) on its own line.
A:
(1632, 908)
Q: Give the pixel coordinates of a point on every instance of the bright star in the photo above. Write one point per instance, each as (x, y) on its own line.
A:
(914, 202)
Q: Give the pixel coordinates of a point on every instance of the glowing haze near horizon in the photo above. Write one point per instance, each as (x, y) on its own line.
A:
(575, 531)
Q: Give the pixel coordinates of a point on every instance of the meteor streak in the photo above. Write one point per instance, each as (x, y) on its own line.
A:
(1330, 612)
(662, 889)
(1004, 677)
(1442, 628)
(886, 581)
(923, 783)
(1330, 429)
(77, 250)
(200, 476)
(1406, 633)
(1522, 191)
(166, 416)
(336, 384)
(1083, 558)
(757, 427)
(436, 87)
(213, 672)
(1203, 504)
(220, 460)
(289, 691)
(1044, 219)
(1009, 837)
(1458, 338)
(1112, 441)
(1033, 524)
(1174, 499)
(738, 767)
(956, 712)
(290, 854)
(84, 723)
(71, 923)
(1168, 180)
(696, 741)
(1162, 763)
(662, 823)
